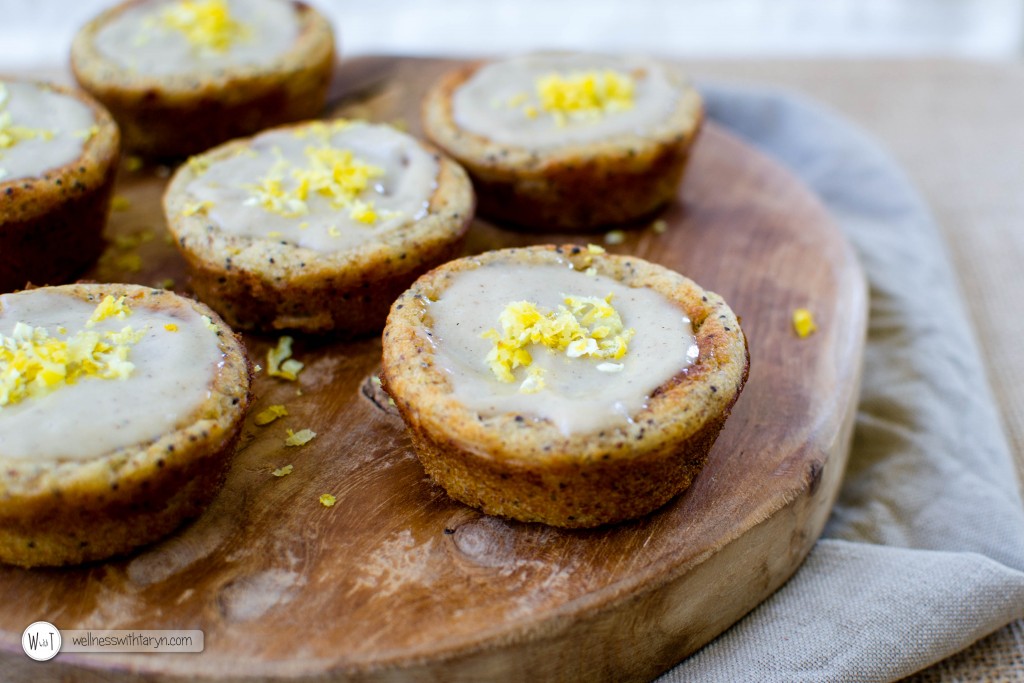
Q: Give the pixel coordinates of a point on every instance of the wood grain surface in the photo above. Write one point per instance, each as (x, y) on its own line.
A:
(398, 582)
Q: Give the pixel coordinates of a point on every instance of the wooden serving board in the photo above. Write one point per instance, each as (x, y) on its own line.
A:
(398, 582)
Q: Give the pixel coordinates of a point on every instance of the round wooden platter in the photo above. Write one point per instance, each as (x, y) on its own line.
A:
(398, 582)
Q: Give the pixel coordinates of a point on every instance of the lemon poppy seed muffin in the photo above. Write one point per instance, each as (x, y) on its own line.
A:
(316, 227)
(181, 76)
(58, 157)
(120, 407)
(562, 385)
(567, 141)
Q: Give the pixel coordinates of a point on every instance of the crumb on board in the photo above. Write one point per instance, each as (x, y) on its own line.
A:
(327, 500)
(803, 322)
(280, 362)
(299, 438)
(614, 237)
(271, 413)
(283, 471)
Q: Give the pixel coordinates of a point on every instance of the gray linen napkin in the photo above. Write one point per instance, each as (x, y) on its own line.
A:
(924, 551)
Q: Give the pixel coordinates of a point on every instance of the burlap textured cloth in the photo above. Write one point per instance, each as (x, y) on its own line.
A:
(924, 551)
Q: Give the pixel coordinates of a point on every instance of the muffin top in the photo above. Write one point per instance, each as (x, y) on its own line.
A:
(80, 378)
(542, 101)
(172, 37)
(580, 349)
(322, 186)
(40, 129)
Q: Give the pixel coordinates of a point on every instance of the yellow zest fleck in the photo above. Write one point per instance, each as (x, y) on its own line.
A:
(299, 438)
(333, 231)
(10, 134)
(595, 249)
(265, 417)
(87, 133)
(120, 203)
(33, 364)
(283, 471)
(171, 327)
(803, 322)
(133, 240)
(332, 173)
(614, 237)
(583, 327)
(659, 226)
(198, 164)
(257, 369)
(206, 24)
(280, 362)
(132, 163)
(131, 262)
(327, 500)
(192, 208)
(583, 95)
(109, 308)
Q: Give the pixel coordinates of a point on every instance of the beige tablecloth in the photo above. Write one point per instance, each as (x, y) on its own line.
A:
(955, 128)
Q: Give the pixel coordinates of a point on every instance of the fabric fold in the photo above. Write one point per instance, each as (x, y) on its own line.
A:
(924, 551)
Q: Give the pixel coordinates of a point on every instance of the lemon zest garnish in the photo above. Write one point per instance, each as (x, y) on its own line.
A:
(579, 95)
(171, 327)
(332, 173)
(299, 438)
(87, 133)
(133, 240)
(327, 500)
(582, 327)
(109, 308)
(803, 322)
(198, 164)
(283, 471)
(280, 363)
(33, 364)
(10, 134)
(192, 208)
(206, 24)
(130, 262)
(271, 413)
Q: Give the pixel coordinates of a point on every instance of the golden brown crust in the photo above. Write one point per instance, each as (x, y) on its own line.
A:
(274, 285)
(522, 467)
(177, 115)
(51, 226)
(58, 513)
(575, 187)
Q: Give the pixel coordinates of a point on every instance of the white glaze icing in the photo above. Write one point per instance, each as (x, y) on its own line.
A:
(399, 197)
(138, 40)
(481, 105)
(61, 125)
(172, 376)
(578, 397)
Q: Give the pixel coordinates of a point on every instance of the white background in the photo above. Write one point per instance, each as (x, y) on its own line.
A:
(37, 33)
